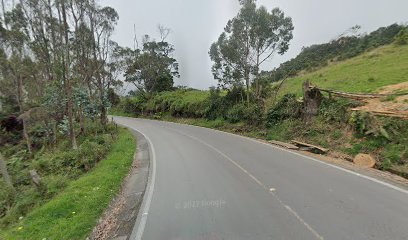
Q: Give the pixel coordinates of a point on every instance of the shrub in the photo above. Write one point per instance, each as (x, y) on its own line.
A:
(132, 105)
(91, 153)
(402, 37)
(286, 108)
(216, 105)
(335, 110)
(236, 113)
(251, 114)
(393, 153)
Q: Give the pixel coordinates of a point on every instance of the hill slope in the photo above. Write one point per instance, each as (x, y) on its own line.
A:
(365, 73)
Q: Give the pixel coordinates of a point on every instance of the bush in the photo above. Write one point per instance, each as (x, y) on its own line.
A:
(402, 37)
(253, 115)
(241, 112)
(393, 153)
(335, 110)
(91, 153)
(132, 105)
(216, 105)
(286, 108)
(236, 113)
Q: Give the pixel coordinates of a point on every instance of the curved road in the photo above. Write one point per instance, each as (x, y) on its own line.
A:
(209, 185)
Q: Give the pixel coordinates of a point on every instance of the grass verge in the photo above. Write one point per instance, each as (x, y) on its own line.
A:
(74, 212)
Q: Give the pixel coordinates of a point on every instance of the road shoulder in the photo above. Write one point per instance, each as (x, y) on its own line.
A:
(119, 219)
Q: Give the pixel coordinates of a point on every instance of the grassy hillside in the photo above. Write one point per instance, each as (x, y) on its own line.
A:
(365, 73)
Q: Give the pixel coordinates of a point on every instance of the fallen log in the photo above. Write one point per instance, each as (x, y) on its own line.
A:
(359, 96)
(309, 147)
(285, 145)
(384, 113)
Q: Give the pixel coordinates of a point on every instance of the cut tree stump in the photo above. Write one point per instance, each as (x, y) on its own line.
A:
(364, 160)
(312, 98)
(35, 177)
(309, 147)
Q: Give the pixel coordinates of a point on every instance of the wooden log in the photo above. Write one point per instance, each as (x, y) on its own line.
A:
(384, 113)
(285, 145)
(310, 147)
(359, 96)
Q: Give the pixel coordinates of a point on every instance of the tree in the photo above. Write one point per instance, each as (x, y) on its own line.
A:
(102, 23)
(16, 66)
(152, 68)
(49, 49)
(248, 40)
(402, 37)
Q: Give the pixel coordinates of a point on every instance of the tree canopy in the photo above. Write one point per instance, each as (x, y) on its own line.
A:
(248, 40)
(57, 56)
(152, 68)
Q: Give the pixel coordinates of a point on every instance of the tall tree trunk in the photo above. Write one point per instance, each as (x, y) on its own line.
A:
(3, 7)
(4, 172)
(20, 99)
(247, 83)
(103, 117)
(82, 120)
(68, 82)
(257, 88)
(27, 138)
(55, 133)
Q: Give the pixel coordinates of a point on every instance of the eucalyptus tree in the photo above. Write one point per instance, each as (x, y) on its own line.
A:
(51, 50)
(248, 41)
(102, 22)
(17, 69)
(152, 68)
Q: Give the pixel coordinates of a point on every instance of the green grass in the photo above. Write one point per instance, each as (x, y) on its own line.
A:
(365, 73)
(74, 212)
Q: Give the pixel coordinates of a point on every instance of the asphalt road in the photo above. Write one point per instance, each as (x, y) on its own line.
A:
(209, 185)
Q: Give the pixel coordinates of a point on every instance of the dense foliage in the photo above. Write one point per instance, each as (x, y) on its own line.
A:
(78, 203)
(58, 72)
(55, 168)
(151, 68)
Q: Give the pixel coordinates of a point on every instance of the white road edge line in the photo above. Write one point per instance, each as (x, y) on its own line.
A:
(301, 155)
(293, 212)
(138, 229)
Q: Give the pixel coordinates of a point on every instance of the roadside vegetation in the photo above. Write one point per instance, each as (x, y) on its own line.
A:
(71, 202)
(271, 105)
(61, 161)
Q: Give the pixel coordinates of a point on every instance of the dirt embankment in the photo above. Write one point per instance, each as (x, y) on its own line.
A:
(393, 105)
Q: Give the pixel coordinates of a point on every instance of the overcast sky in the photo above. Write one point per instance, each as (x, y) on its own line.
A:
(195, 24)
